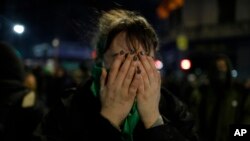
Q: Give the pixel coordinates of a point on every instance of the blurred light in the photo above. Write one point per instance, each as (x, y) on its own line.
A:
(55, 42)
(167, 6)
(179, 2)
(191, 77)
(234, 103)
(158, 64)
(162, 12)
(172, 6)
(182, 42)
(19, 29)
(28, 62)
(185, 64)
(234, 73)
(50, 66)
(93, 54)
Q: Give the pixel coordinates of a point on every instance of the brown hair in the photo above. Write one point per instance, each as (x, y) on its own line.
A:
(135, 26)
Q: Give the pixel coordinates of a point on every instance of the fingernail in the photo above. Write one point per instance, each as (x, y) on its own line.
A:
(121, 52)
(135, 58)
(142, 53)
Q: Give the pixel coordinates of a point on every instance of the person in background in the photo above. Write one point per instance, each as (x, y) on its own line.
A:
(60, 81)
(123, 100)
(30, 81)
(220, 101)
(244, 109)
(19, 113)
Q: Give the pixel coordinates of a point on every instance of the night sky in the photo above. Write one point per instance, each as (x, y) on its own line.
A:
(66, 19)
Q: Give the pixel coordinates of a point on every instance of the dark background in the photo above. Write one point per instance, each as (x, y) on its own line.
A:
(209, 26)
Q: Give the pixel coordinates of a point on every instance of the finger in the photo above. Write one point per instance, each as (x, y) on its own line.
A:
(134, 86)
(115, 67)
(103, 78)
(152, 64)
(148, 69)
(144, 76)
(141, 85)
(130, 75)
(124, 70)
(156, 72)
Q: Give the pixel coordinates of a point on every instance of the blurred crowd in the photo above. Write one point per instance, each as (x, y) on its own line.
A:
(215, 98)
(28, 93)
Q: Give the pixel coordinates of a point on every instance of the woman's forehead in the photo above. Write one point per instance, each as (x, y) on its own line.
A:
(120, 42)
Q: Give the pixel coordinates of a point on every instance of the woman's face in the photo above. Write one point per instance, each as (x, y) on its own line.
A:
(120, 43)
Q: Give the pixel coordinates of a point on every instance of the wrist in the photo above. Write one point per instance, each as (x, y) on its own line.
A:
(149, 122)
(158, 122)
(115, 122)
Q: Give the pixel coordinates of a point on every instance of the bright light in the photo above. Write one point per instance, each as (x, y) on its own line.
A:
(185, 64)
(19, 29)
(55, 42)
(158, 64)
(234, 73)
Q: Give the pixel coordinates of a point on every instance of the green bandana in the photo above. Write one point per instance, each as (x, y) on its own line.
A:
(133, 117)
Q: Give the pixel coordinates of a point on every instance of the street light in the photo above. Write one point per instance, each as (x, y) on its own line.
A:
(18, 28)
(185, 64)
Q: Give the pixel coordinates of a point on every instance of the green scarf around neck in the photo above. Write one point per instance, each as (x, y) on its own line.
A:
(131, 120)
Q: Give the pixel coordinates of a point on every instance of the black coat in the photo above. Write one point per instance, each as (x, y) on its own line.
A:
(16, 122)
(77, 117)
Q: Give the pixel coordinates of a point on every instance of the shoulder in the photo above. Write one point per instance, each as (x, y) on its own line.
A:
(173, 108)
(70, 111)
(78, 98)
(169, 99)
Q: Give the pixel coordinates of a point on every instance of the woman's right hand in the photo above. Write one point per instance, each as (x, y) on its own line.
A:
(119, 92)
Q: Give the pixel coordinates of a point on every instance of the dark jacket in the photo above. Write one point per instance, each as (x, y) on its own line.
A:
(77, 117)
(16, 122)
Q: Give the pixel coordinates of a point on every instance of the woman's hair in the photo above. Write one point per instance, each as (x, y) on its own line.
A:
(135, 26)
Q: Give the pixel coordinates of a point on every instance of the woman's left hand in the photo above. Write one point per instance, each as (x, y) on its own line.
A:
(148, 94)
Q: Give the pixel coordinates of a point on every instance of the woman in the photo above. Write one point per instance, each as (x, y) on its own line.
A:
(122, 101)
